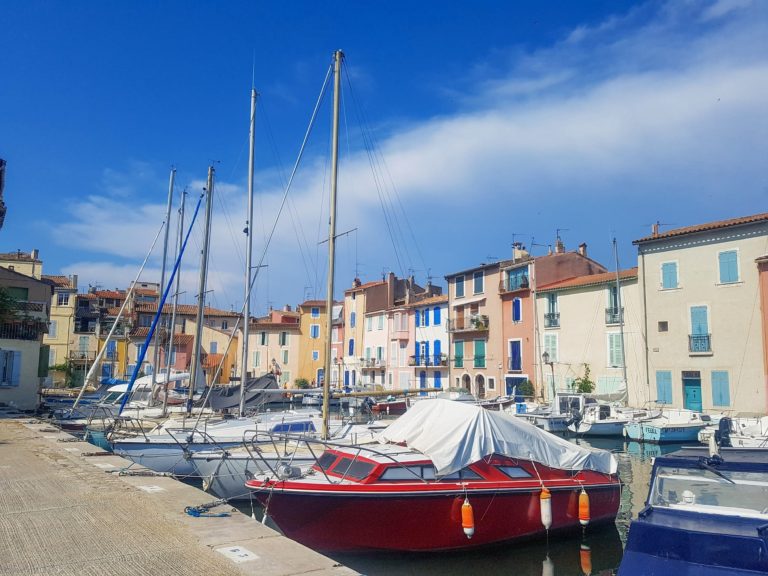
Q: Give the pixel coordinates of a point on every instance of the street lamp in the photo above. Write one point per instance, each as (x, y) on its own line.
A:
(545, 359)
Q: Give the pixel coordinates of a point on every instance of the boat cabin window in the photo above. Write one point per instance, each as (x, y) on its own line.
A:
(299, 426)
(725, 492)
(350, 468)
(326, 460)
(604, 412)
(463, 474)
(514, 471)
(408, 473)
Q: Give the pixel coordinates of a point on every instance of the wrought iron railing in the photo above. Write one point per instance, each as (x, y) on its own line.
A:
(700, 343)
(431, 360)
(614, 315)
(512, 284)
(22, 330)
(514, 365)
(474, 322)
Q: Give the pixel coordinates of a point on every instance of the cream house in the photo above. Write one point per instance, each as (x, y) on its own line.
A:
(702, 317)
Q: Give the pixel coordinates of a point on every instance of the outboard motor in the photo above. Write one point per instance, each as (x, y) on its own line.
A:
(723, 433)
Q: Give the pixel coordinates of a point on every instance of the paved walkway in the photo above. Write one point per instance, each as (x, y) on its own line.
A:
(62, 513)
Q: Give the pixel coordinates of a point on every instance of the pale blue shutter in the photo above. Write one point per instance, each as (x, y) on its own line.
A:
(664, 386)
(721, 395)
(699, 325)
(729, 269)
(15, 368)
(669, 275)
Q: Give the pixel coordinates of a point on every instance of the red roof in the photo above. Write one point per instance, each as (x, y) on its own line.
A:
(59, 281)
(183, 309)
(141, 332)
(212, 360)
(146, 291)
(428, 301)
(364, 286)
(590, 280)
(704, 227)
(114, 294)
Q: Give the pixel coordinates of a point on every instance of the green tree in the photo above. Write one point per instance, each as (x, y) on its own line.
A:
(525, 389)
(301, 383)
(8, 305)
(584, 384)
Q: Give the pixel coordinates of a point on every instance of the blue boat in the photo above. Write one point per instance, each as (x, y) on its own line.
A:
(675, 426)
(704, 515)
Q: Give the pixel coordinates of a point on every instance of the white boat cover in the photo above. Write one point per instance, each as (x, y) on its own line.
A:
(454, 435)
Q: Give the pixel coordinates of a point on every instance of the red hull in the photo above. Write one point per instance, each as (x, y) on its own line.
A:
(427, 522)
(390, 408)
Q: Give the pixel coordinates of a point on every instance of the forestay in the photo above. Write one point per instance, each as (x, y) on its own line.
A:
(454, 435)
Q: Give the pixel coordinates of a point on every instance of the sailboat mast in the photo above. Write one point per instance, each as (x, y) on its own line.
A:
(156, 355)
(337, 56)
(196, 363)
(621, 314)
(248, 254)
(179, 243)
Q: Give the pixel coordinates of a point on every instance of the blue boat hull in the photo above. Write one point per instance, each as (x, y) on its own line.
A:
(649, 432)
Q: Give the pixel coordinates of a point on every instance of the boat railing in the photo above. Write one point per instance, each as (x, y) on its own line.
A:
(268, 437)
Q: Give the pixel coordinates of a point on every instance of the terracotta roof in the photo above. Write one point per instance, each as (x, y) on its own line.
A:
(704, 227)
(212, 360)
(114, 294)
(428, 301)
(364, 286)
(590, 280)
(87, 296)
(183, 309)
(112, 311)
(141, 332)
(283, 325)
(58, 281)
(146, 291)
(313, 303)
(183, 339)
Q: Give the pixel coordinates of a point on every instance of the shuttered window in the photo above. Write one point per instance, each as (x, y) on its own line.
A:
(458, 354)
(729, 266)
(669, 275)
(517, 310)
(721, 395)
(664, 387)
(615, 352)
(436, 315)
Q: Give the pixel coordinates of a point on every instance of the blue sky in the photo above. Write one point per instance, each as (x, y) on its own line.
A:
(492, 122)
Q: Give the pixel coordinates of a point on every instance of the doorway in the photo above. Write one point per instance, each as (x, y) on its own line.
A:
(692, 390)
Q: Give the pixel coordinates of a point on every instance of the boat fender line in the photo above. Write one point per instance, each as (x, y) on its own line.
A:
(583, 507)
(545, 502)
(467, 518)
(201, 511)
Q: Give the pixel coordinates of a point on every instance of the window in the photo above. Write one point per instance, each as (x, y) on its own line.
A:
(381, 322)
(367, 352)
(550, 346)
(369, 323)
(515, 356)
(224, 324)
(352, 318)
(478, 284)
(459, 289)
(699, 340)
(514, 471)
(335, 334)
(283, 338)
(664, 387)
(315, 355)
(438, 379)
(663, 326)
(669, 275)
(424, 317)
(436, 316)
(517, 310)
(479, 353)
(463, 474)
(729, 266)
(517, 278)
(379, 353)
(263, 338)
(256, 359)
(214, 347)
(615, 352)
(52, 329)
(314, 331)
(10, 367)
(145, 321)
(350, 468)
(491, 383)
(51, 356)
(351, 349)
(458, 354)
(62, 298)
(285, 357)
(315, 312)
(408, 473)
(721, 395)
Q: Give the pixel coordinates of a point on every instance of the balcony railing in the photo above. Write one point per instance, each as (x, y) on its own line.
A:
(82, 355)
(426, 361)
(470, 323)
(512, 284)
(400, 334)
(551, 319)
(514, 365)
(22, 330)
(371, 363)
(700, 343)
(614, 315)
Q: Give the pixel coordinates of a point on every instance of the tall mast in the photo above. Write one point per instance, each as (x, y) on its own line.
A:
(156, 355)
(621, 316)
(179, 243)
(337, 57)
(196, 364)
(248, 254)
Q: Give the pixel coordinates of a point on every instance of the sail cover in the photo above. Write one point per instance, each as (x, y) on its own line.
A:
(454, 435)
(228, 396)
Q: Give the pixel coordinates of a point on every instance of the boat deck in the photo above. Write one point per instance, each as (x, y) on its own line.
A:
(64, 511)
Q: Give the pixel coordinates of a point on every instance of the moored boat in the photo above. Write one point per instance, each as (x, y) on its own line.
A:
(447, 476)
(704, 515)
(390, 406)
(670, 426)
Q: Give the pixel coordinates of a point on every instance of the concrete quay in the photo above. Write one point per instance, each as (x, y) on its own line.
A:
(65, 512)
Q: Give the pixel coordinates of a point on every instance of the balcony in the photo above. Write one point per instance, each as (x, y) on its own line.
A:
(29, 330)
(400, 334)
(370, 363)
(614, 315)
(552, 320)
(433, 360)
(514, 365)
(471, 323)
(700, 343)
(31, 309)
(514, 284)
(82, 355)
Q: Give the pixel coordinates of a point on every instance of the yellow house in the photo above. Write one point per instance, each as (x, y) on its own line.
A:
(61, 328)
(313, 322)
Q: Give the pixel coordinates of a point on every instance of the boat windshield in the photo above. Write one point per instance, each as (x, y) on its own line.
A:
(711, 491)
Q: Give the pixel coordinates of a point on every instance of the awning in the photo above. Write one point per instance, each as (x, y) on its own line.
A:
(465, 301)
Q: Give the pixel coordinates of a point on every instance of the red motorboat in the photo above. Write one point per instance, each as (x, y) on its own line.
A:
(439, 493)
(390, 407)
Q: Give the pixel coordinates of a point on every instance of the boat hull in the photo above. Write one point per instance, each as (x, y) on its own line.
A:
(166, 458)
(649, 432)
(427, 522)
(615, 428)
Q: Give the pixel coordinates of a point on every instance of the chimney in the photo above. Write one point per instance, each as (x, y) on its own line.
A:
(655, 229)
(519, 252)
(559, 247)
(356, 282)
(73, 281)
(35, 253)
(583, 249)
(287, 308)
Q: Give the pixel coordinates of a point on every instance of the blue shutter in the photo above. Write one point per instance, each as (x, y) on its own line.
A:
(351, 347)
(426, 352)
(438, 379)
(437, 353)
(729, 269)
(426, 316)
(416, 355)
(111, 348)
(517, 363)
(669, 275)
(418, 318)
(106, 370)
(436, 312)
(721, 395)
(664, 386)
(346, 378)
(699, 324)
(516, 309)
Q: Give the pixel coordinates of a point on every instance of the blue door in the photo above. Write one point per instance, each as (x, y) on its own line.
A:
(692, 391)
